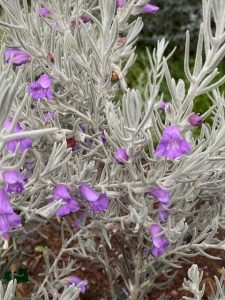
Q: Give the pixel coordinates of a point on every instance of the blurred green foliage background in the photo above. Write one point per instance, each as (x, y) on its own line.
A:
(172, 21)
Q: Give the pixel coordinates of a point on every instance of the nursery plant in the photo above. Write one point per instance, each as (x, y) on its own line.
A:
(135, 184)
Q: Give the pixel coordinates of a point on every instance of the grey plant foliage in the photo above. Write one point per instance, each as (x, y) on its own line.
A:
(9, 293)
(194, 285)
(86, 55)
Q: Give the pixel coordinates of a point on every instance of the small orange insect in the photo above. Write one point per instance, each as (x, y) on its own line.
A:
(115, 76)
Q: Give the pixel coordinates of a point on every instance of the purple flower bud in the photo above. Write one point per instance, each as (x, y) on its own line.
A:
(29, 166)
(121, 156)
(163, 214)
(149, 9)
(97, 202)
(102, 136)
(42, 88)
(164, 105)
(49, 116)
(78, 221)
(20, 57)
(44, 12)
(159, 241)
(82, 284)
(161, 195)
(195, 120)
(82, 127)
(120, 3)
(25, 143)
(8, 218)
(71, 205)
(172, 144)
(85, 19)
(56, 25)
(13, 181)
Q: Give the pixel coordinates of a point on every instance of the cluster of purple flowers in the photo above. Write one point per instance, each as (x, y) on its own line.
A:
(97, 202)
(8, 218)
(160, 242)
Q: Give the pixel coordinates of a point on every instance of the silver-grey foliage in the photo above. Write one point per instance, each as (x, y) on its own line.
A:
(85, 57)
(195, 286)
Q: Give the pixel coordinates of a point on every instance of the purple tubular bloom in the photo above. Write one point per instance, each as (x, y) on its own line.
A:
(8, 218)
(195, 120)
(25, 143)
(82, 284)
(42, 88)
(172, 144)
(121, 156)
(120, 3)
(161, 195)
(96, 202)
(159, 241)
(149, 9)
(20, 57)
(71, 205)
(44, 12)
(14, 181)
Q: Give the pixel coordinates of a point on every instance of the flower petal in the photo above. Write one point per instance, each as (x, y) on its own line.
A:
(45, 81)
(88, 193)
(100, 204)
(61, 192)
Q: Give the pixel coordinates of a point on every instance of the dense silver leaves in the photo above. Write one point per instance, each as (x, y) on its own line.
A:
(89, 67)
(195, 286)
